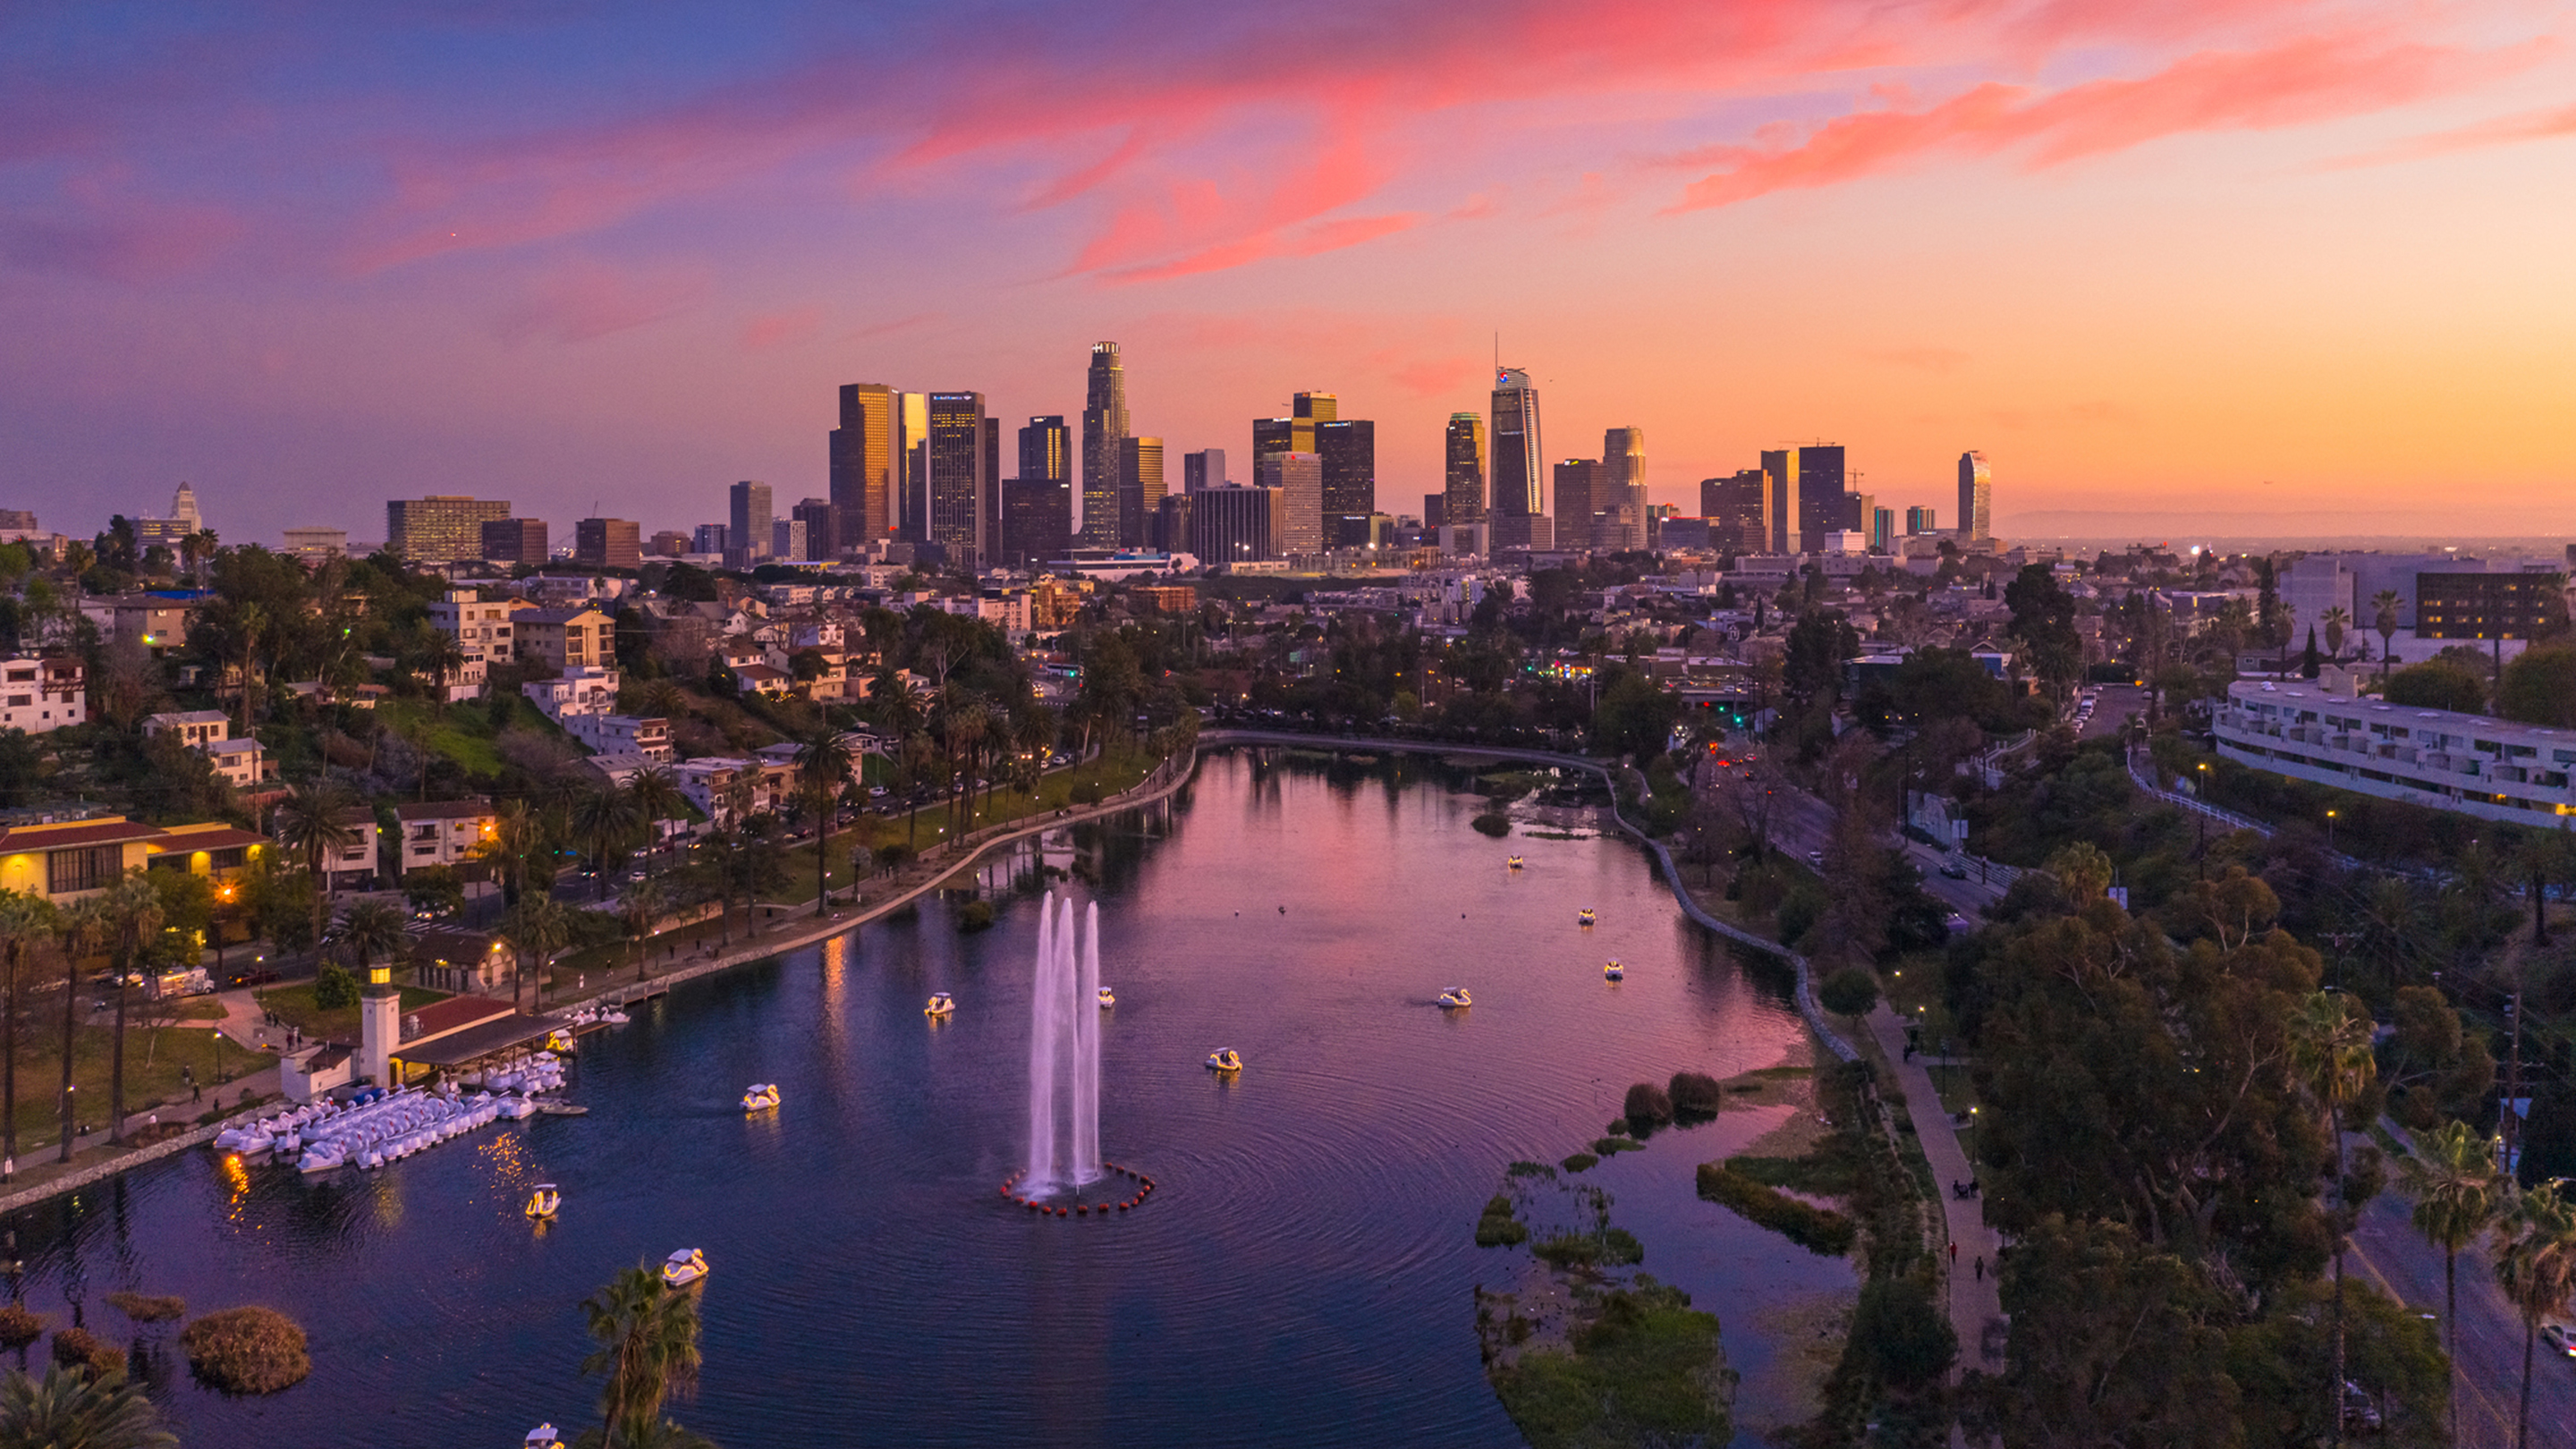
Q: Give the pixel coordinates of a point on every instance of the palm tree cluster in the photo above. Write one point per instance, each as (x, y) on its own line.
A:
(2462, 1196)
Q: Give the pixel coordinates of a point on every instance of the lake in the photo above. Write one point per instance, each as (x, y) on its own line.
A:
(1302, 1275)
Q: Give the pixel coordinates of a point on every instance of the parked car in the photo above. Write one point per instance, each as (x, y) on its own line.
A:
(1952, 870)
(2559, 1338)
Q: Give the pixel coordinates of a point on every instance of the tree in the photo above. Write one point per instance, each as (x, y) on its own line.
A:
(25, 919)
(434, 888)
(73, 1408)
(130, 911)
(822, 763)
(81, 928)
(2043, 619)
(2383, 618)
(2535, 1265)
(642, 905)
(441, 657)
(603, 816)
(2338, 621)
(648, 1353)
(2331, 1044)
(368, 930)
(2437, 684)
(2539, 687)
(1818, 644)
(536, 928)
(309, 823)
(2309, 664)
(2457, 1190)
(657, 796)
(1635, 717)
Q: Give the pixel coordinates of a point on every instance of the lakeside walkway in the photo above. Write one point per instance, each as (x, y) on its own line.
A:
(1976, 1298)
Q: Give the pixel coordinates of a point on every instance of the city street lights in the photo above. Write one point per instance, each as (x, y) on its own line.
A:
(2330, 820)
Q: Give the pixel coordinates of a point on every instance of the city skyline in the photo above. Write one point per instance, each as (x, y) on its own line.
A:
(2152, 264)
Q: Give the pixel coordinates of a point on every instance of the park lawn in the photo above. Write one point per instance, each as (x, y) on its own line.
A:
(153, 1062)
(294, 1006)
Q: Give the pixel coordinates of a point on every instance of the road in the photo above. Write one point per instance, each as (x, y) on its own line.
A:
(2389, 1253)
(2113, 704)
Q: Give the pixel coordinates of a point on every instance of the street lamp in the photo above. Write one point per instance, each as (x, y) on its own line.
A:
(2330, 820)
(1972, 1142)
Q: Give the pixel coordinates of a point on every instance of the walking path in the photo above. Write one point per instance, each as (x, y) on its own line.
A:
(1975, 1297)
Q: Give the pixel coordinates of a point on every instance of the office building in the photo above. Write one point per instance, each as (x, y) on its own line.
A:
(2524, 604)
(1037, 520)
(911, 451)
(1806, 496)
(1622, 504)
(1046, 451)
(607, 543)
(1299, 477)
(956, 488)
(1976, 498)
(1678, 534)
(1233, 524)
(442, 528)
(1140, 488)
(788, 540)
(710, 538)
(1434, 511)
(1518, 512)
(1104, 425)
(514, 541)
(669, 543)
(1578, 484)
(1463, 470)
(1738, 510)
(1882, 530)
(1172, 523)
(1348, 447)
(863, 466)
(313, 545)
(184, 520)
(823, 526)
(1920, 521)
(748, 529)
(1202, 469)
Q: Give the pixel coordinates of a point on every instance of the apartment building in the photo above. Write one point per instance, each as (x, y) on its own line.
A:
(2468, 764)
(43, 693)
(482, 631)
(443, 832)
(568, 639)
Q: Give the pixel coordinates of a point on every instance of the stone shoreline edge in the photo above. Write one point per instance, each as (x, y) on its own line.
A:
(1166, 779)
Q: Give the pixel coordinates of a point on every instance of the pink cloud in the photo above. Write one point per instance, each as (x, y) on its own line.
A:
(2548, 125)
(2306, 80)
(781, 329)
(579, 303)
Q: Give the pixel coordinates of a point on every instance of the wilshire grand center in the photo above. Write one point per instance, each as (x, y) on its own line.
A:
(1519, 518)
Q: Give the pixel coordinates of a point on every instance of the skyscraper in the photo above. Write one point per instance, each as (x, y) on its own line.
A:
(1463, 494)
(1622, 505)
(1920, 521)
(1037, 506)
(1348, 447)
(608, 543)
(1882, 530)
(954, 485)
(1140, 489)
(1202, 469)
(1806, 500)
(514, 541)
(1231, 524)
(863, 468)
(823, 524)
(1578, 483)
(1738, 510)
(1104, 423)
(910, 460)
(747, 533)
(441, 528)
(1976, 498)
(1519, 515)
(1300, 479)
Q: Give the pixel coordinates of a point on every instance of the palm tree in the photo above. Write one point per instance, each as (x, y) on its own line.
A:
(603, 817)
(81, 928)
(656, 794)
(2336, 621)
(2536, 1267)
(2331, 1047)
(648, 1353)
(663, 698)
(643, 904)
(71, 1407)
(24, 917)
(516, 830)
(132, 908)
(2457, 1191)
(309, 823)
(536, 928)
(441, 656)
(370, 929)
(2383, 606)
(249, 622)
(823, 765)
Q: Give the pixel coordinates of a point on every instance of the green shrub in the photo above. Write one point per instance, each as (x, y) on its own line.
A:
(1493, 823)
(1827, 1172)
(144, 1308)
(1612, 1146)
(247, 1350)
(1498, 1228)
(1695, 1095)
(974, 916)
(1800, 909)
(1900, 1334)
(1579, 1162)
(18, 1327)
(1848, 992)
(79, 1348)
(1818, 1230)
(1647, 1106)
(1526, 1168)
(334, 988)
(1648, 1370)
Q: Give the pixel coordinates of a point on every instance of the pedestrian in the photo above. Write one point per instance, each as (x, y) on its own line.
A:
(1981, 1269)
(1954, 1250)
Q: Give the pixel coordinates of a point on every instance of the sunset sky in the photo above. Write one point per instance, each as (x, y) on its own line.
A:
(2196, 260)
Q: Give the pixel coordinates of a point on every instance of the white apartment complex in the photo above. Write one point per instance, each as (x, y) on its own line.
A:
(2469, 764)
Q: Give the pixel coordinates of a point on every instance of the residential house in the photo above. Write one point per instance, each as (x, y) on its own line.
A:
(481, 631)
(42, 693)
(243, 764)
(582, 690)
(67, 860)
(648, 736)
(568, 639)
(209, 848)
(444, 832)
(709, 783)
(353, 866)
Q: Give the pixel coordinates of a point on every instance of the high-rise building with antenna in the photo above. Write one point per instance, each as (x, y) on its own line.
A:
(1104, 428)
(1519, 513)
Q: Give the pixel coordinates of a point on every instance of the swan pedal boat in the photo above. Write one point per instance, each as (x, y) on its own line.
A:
(1108, 998)
(761, 1097)
(683, 1268)
(1584, 916)
(1227, 1060)
(1514, 862)
(1613, 971)
(941, 1004)
(545, 1201)
(1456, 996)
(543, 1437)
